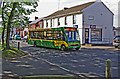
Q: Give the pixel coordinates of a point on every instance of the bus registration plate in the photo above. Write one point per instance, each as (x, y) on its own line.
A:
(75, 47)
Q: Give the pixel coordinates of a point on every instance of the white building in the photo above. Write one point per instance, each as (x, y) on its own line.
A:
(94, 21)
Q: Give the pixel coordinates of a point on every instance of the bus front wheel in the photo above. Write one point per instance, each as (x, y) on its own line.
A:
(77, 48)
(63, 47)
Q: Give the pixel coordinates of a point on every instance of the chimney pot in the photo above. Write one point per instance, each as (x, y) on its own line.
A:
(65, 8)
(36, 17)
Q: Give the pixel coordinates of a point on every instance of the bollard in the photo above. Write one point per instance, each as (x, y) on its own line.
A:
(18, 45)
(108, 69)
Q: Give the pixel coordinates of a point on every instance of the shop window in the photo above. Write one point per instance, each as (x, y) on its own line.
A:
(96, 35)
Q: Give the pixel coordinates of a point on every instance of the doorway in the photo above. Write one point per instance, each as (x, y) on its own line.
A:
(87, 35)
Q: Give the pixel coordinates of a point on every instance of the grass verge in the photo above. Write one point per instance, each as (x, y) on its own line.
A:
(13, 53)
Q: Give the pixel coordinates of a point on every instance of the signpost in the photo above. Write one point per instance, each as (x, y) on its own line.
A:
(108, 69)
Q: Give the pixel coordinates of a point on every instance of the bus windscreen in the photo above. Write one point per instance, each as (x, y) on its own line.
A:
(72, 35)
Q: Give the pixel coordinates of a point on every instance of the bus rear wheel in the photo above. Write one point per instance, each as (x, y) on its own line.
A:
(63, 47)
(35, 44)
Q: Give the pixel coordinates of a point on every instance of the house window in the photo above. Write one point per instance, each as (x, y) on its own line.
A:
(74, 19)
(51, 23)
(46, 23)
(96, 35)
(90, 17)
(66, 20)
(58, 21)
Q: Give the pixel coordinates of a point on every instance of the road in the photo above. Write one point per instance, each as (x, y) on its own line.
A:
(43, 61)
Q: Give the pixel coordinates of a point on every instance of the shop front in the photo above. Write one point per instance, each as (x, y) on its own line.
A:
(93, 35)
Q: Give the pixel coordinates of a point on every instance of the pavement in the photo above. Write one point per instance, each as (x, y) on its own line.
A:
(106, 47)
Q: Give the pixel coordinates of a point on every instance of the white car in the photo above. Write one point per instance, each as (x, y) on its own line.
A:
(116, 42)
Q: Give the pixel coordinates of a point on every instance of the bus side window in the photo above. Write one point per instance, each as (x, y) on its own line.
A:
(49, 35)
(36, 34)
(44, 35)
(39, 35)
(62, 36)
(31, 34)
(54, 35)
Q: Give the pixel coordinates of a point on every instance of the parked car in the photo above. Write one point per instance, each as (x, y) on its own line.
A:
(17, 37)
(116, 42)
(11, 37)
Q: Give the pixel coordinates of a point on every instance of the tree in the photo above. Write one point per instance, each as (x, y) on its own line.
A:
(15, 14)
(3, 23)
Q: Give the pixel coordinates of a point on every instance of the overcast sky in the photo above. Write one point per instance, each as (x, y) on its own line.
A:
(47, 7)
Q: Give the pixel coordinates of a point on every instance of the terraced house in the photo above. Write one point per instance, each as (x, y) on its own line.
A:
(94, 21)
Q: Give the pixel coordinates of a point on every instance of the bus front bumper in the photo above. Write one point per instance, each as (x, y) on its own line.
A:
(73, 47)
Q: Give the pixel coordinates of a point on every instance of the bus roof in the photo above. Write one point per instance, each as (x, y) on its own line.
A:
(43, 29)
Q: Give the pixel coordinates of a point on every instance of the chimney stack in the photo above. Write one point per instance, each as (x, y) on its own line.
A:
(65, 8)
(36, 17)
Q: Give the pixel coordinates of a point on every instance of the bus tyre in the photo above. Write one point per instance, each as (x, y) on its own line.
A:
(63, 47)
(116, 46)
(77, 48)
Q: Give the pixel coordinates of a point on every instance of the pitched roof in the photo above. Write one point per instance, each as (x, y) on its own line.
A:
(69, 11)
(35, 21)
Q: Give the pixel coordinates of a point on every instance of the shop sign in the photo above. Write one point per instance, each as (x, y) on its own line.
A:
(93, 26)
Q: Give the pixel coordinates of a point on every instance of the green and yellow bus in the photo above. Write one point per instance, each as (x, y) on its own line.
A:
(60, 38)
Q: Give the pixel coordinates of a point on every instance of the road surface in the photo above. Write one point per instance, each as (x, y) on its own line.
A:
(44, 61)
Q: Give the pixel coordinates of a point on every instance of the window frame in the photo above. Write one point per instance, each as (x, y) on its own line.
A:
(58, 21)
(65, 22)
(74, 19)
